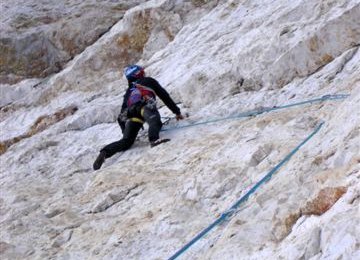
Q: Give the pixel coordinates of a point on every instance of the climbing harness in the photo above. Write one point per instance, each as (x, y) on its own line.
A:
(260, 111)
(232, 210)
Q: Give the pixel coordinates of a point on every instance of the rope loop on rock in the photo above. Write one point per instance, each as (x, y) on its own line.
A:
(258, 111)
(232, 210)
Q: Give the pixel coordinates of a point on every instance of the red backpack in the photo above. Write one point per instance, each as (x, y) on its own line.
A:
(139, 93)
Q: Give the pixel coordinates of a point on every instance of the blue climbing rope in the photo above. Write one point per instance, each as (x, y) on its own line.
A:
(224, 216)
(260, 111)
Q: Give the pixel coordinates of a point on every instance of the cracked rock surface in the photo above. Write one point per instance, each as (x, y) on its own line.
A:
(217, 59)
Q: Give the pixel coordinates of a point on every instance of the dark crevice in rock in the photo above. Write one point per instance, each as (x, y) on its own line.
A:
(346, 61)
(107, 30)
(329, 60)
(41, 124)
(340, 69)
(115, 197)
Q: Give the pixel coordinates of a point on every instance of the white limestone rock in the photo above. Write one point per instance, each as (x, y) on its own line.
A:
(223, 58)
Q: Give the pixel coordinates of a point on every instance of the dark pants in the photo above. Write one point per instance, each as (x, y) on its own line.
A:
(151, 116)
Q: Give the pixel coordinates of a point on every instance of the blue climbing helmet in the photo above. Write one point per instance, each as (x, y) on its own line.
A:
(133, 72)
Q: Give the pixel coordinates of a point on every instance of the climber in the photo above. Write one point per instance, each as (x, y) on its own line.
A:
(139, 106)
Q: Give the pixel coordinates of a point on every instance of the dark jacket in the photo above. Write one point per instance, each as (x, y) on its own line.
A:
(159, 91)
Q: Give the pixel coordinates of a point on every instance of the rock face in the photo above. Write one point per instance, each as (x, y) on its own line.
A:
(217, 59)
(38, 37)
(41, 124)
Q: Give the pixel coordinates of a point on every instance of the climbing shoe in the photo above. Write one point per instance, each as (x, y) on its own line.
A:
(158, 141)
(99, 161)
